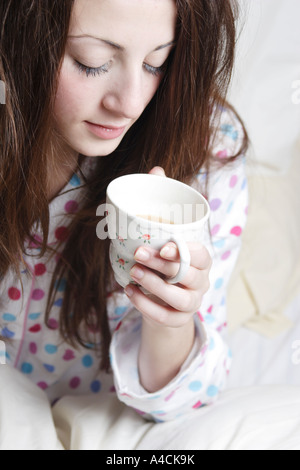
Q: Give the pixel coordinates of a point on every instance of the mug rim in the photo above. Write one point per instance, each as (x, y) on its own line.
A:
(145, 221)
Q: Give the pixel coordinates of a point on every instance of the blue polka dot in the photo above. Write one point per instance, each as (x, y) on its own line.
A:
(75, 180)
(137, 328)
(58, 303)
(27, 368)
(230, 353)
(120, 311)
(50, 349)
(34, 316)
(229, 208)
(244, 184)
(9, 317)
(195, 386)
(219, 243)
(7, 333)
(96, 386)
(87, 361)
(60, 285)
(211, 344)
(209, 319)
(212, 391)
(219, 283)
(49, 368)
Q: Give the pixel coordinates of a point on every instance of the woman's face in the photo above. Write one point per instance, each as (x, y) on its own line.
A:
(112, 67)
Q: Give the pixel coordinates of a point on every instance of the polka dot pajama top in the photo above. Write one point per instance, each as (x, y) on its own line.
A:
(39, 352)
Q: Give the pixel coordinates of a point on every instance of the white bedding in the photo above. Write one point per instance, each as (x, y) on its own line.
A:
(250, 418)
(259, 410)
(259, 360)
(261, 407)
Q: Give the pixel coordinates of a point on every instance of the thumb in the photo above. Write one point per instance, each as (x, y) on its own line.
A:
(157, 170)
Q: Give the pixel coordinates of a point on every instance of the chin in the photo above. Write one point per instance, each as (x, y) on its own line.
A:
(102, 150)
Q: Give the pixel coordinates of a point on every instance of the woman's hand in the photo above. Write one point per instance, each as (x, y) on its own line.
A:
(169, 305)
(168, 327)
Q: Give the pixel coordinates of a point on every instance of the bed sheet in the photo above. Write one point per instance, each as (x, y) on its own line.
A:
(264, 417)
(258, 360)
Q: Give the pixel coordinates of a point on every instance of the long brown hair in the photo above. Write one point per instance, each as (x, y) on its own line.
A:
(175, 131)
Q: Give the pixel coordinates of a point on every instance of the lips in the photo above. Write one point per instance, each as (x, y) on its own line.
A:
(105, 132)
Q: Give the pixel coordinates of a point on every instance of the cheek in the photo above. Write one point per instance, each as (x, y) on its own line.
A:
(72, 99)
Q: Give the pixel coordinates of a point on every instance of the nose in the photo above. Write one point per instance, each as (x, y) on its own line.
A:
(127, 97)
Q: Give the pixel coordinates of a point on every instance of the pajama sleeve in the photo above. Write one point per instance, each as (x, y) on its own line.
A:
(203, 375)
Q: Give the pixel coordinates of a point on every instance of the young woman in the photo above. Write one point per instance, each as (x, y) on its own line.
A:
(96, 89)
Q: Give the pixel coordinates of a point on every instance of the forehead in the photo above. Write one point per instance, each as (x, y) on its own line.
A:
(124, 21)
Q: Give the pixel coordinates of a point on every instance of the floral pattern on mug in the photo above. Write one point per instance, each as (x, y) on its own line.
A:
(121, 262)
(146, 237)
(121, 240)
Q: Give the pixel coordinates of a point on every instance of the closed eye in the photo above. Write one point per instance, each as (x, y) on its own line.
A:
(92, 71)
(156, 71)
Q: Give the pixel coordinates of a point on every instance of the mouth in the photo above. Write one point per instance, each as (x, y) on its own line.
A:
(105, 131)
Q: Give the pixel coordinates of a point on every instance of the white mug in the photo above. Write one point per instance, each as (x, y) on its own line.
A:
(151, 210)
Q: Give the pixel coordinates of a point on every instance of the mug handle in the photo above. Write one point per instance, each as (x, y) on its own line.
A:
(185, 261)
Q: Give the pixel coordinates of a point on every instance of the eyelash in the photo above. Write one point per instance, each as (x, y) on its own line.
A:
(96, 71)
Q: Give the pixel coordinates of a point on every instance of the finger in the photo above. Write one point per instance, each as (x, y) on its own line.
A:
(157, 170)
(151, 258)
(193, 279)
(180, 298)
(158, 312)
(200, 257)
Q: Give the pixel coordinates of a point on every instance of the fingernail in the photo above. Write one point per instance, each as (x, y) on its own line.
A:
(136, 273)
(168, 251)
(128, 291)
(142, 255)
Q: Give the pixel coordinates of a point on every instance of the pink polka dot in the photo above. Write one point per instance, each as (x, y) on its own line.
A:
(33, 348)
(233, 181)
(75, 382)
(61, 233)
(237, 231)
(37, 294)
(197, 405)
(42, 385)
(71, 207)
(222, 154)
(53, 324)
(215, 229)
(14, 293)
(170, 395)
(69, 355)
(39, 269)
(36, 242)
(226, 255)
(215, 204)
(35, 328)
(200, 316)
(209, 310)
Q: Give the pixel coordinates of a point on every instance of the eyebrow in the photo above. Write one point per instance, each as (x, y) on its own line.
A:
(117, 46)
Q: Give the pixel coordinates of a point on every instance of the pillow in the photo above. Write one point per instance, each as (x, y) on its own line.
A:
(266, 84)
(267, 274)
